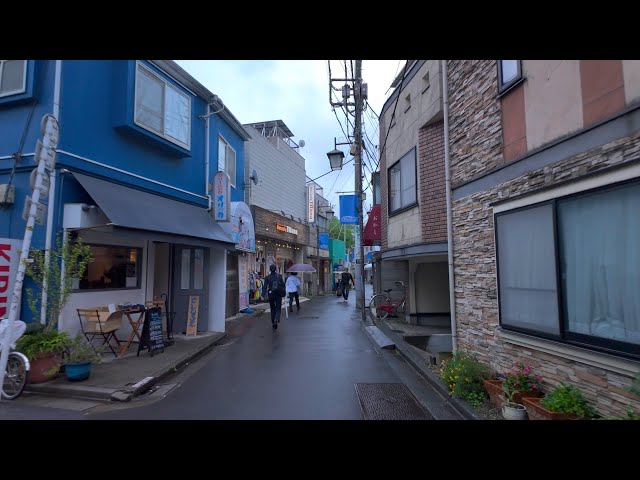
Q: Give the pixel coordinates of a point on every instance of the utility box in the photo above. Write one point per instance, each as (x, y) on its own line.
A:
(7, 194)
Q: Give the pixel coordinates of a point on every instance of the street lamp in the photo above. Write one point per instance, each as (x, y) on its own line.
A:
(335, 159)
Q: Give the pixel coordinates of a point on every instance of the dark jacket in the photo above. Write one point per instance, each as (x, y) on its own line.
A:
(346, 278)
(271, 283)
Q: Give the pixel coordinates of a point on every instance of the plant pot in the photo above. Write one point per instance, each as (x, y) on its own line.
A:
(514, 411)
(494, 389)
(519, 396)
(77, 372)
(538, 412)
(44, 367)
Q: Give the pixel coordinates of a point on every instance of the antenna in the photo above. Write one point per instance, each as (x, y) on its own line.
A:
(302, 144)
(254, 177)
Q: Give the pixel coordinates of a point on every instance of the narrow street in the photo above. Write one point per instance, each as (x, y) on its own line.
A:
(306, 369)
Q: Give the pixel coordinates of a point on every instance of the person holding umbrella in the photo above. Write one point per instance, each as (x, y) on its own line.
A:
(293, 289)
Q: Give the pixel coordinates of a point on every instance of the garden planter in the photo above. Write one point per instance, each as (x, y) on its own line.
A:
(76, 372)
(519, 396)
(514, 411)
(494, 389)
(44, 367)
(538, 412)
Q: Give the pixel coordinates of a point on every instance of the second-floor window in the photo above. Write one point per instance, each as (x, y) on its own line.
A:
(509, 72)
(227, 160)
(402, 182)
(161, 108)
(13, 77)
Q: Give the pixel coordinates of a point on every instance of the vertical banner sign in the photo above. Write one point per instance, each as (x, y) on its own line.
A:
(192, 315)
(242, 272)
(9, 258)
(311, 214)
(323, 241)
(348, 210)
(221, 197)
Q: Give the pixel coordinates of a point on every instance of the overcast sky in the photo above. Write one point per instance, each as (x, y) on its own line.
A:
(297, 92)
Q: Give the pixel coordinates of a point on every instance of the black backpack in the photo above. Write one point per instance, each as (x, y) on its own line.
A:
(281, 287)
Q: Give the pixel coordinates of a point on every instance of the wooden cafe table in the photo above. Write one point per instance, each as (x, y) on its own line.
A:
(136, 319)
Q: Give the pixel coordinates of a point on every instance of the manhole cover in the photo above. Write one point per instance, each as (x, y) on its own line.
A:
(309, 317)
(389, 401)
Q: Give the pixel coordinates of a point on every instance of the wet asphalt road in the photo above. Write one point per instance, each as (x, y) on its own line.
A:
(304, 370)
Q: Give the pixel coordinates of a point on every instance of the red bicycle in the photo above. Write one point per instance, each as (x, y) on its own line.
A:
(382, 305)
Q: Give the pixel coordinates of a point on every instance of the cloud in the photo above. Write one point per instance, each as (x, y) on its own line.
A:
(297, 92)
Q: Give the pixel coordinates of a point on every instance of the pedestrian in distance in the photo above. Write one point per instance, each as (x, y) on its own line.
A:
(274, 289)
(293, 289)
(345, 283)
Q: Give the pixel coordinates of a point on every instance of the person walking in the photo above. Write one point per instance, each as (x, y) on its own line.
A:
(274, 289)
(345, 282)
(293, 286)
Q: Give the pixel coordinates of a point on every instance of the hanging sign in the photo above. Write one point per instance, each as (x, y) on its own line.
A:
(311, 206)
(222, 197)
(348, 209)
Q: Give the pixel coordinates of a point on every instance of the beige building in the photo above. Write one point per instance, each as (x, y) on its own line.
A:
(545, 165)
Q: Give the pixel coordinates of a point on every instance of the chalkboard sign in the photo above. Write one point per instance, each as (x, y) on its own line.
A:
(152, 338)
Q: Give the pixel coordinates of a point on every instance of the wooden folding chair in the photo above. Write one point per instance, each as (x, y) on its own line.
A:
(99, 322)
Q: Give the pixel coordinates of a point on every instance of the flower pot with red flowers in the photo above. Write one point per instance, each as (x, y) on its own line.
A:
(564, 402)
(520, 382)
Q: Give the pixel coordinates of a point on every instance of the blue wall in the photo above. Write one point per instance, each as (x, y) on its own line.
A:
(219, 126)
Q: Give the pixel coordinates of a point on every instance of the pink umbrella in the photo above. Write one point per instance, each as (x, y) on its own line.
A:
(301, 267)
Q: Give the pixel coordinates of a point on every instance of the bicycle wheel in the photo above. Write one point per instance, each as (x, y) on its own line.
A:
(15, 377)
(374, 307)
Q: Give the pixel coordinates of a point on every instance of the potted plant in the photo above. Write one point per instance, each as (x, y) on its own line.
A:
(512, 410)
(44, 345)
(564, 402)
(78, 357)
(520, 381)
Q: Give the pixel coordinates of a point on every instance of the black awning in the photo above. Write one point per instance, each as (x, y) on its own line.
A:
(128, 208)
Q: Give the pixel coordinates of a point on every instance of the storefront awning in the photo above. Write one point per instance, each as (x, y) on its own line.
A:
(372, 231)
(153, 217)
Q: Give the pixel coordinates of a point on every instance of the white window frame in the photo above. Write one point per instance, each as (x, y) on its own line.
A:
(24, 79)
(398, 163)
(166, 85)
(232, 180)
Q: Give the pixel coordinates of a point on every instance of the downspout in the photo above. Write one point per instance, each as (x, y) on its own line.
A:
(206, 157)
(52, 190)
(447, 181)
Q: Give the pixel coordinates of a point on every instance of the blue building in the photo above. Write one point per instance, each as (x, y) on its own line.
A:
(140, 143)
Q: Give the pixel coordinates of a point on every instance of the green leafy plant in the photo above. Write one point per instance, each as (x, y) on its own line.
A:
(42, 342)
(635, 386)
(464, 375)
(50, 278)
(568, 399)
(520, 379)
(78, 350)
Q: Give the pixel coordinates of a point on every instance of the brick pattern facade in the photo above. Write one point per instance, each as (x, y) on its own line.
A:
(475, 130)
(433, 208)
(384, 207)
(474, 246)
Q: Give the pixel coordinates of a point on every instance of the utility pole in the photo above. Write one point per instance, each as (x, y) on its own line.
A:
(359, 252)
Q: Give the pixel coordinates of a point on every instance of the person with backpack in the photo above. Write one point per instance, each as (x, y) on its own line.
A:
(347, 278)
(274, 289)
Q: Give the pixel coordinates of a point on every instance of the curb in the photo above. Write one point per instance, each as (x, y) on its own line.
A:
(460, 406)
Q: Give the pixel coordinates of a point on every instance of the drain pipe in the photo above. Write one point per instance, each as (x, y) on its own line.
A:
(206, 158)
(447, 180)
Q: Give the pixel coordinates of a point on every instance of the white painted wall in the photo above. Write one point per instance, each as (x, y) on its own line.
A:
(631, 75)
(217, 287)
(281, 174)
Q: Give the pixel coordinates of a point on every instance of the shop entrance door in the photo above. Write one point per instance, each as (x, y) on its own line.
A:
(190, 277)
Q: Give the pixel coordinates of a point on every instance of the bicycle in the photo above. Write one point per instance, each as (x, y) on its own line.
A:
(17, 371)
(381, 305)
